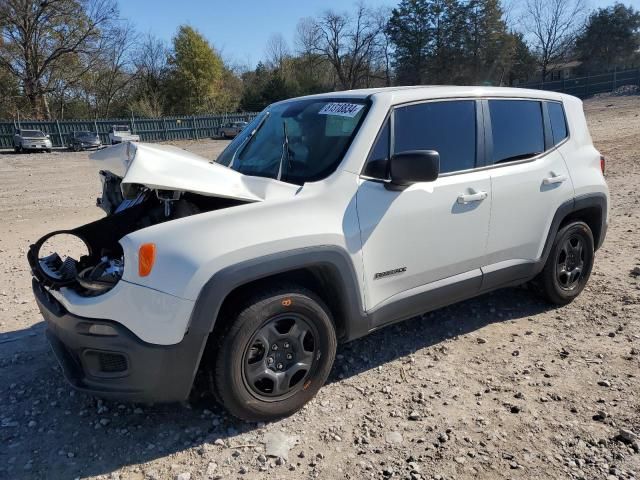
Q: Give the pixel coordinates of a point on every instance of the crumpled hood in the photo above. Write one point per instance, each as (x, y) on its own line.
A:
(166, 167)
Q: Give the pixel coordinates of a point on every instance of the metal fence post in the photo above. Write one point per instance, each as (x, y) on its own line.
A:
(615, 74)
(195, 126)
(164, 127)
(59, 133)
(586, 86)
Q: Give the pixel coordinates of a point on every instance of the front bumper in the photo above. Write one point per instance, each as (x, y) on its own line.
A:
(119, 366)
(90, 146)
(36, 146)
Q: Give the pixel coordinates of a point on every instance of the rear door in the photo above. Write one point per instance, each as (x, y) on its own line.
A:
(529, 178)
(431, 231)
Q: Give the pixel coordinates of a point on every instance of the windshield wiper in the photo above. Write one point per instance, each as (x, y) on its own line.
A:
(286, 153)
(245, 142)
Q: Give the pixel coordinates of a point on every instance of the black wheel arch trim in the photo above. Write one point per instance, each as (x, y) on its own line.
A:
(581, 202)
(224, 282)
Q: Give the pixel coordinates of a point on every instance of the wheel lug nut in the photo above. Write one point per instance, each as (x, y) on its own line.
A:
(274, 347)
(279, 366)
(270, 360)
(286, 344)
(289, 356)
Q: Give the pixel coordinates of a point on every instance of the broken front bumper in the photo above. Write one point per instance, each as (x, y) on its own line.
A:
(104, 358)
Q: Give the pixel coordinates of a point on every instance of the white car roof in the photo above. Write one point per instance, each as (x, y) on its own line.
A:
(397, 95)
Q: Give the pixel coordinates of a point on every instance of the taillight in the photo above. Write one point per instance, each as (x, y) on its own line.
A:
(146, 258)
(602, 163)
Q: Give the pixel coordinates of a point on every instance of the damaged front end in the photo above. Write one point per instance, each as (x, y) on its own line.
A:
(129, 207)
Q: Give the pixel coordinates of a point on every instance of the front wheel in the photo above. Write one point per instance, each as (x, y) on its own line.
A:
(569, 264)
(276, 354)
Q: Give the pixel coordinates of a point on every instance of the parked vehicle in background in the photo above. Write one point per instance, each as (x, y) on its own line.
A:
(24, 140)
(84, 140)
(231, 130)
(122, 133)
(328, 217)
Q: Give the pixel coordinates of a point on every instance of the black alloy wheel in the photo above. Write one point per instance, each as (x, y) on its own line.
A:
(568, 265)
(275, 353)
(280, 356)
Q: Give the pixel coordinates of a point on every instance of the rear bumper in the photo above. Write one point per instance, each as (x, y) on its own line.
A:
(119, 366)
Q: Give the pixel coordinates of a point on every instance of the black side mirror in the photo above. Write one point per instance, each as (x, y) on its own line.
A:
(414, 166)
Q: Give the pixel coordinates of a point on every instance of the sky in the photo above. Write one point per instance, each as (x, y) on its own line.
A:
(239, 29)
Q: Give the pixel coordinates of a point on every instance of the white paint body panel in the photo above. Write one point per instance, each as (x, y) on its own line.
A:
(422, 228)
(523, 207)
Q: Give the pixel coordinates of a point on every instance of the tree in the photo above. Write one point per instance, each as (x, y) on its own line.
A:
(149, 92)
(276, 51)
(611, 38)
(40, 38)
(553, 26)
(523, 64)
(450, 41)
(348, 43)
(195, 73)
(488, 46)
(10, 99)
(410, 33)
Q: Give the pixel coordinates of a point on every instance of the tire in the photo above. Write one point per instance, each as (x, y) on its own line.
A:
(247, 364)
(560, 282)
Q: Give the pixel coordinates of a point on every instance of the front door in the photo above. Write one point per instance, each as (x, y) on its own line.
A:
(432, 231)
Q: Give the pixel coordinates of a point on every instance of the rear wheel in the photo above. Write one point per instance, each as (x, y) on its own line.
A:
(276, 354)
(569, 264)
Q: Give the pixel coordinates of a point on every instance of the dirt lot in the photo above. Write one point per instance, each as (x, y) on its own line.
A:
(498, 387)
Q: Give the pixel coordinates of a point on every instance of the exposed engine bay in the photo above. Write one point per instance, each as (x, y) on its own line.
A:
(129, 207)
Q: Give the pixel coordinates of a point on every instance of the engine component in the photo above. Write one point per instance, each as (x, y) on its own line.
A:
(103, 276)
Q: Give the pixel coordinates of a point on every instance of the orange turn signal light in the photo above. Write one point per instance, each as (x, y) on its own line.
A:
(146, 257)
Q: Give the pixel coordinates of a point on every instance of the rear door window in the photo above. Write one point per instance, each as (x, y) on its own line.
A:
(446, 127)
(558, 122)
(517, 129)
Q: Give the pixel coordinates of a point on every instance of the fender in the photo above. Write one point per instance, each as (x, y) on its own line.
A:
(222, 283)
(589, 200)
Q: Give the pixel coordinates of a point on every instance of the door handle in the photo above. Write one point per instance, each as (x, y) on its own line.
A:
(472, 197)
(554, 178)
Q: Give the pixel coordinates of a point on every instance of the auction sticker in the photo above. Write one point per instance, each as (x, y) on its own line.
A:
(341, 109)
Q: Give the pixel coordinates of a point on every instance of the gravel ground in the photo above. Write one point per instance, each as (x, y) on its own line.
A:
(502, 386)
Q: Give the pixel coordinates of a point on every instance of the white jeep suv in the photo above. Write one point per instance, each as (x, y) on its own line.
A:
(328, 217)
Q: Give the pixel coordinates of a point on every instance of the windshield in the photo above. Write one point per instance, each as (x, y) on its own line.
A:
(32, 133)
(318, 133)
(120, 128)
(86, 134)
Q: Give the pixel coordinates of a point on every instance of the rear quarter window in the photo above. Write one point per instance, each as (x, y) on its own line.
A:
(558, 122)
